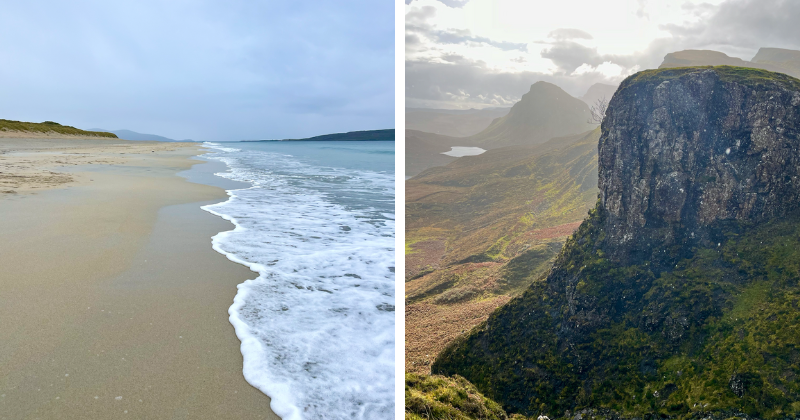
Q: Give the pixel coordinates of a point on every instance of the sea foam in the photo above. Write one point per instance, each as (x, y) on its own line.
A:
(317, 324)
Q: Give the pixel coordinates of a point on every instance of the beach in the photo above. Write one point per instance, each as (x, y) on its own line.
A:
(112, 302)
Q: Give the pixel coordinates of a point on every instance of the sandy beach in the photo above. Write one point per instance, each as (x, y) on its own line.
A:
(112, 302)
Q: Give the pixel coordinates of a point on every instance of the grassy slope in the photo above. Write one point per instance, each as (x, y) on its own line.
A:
(678, 343)
(481, 229)
(437, 397)
(49, 127)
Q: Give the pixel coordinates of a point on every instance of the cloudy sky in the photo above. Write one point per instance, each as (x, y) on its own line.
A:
(478, 53)
(206, 70)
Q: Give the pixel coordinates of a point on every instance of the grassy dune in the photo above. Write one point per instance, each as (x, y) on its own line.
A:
(49, 127)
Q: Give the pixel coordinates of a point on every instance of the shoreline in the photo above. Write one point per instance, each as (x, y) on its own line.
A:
(112, 297)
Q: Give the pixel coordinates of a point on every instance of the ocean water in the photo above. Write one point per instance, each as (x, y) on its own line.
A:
(317, 225)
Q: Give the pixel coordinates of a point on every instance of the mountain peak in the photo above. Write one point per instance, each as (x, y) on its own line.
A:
(544, 112)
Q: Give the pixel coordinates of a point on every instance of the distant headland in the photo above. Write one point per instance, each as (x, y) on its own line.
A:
(368, 135)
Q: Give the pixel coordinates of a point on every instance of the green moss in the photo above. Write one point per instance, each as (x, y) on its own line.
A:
(718, 333)
(49, 126)
(438, 397)
(743, 75)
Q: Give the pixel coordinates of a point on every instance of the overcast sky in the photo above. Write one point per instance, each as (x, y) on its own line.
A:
(206, 70)
(478, 53)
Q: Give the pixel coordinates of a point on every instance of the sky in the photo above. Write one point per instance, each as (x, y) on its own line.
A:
(203, 70)
(485, 53)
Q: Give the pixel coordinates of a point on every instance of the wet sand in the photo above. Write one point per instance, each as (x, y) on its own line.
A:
(112, 302)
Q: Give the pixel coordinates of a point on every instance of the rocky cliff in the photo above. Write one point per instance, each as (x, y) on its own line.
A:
(683, 149)
(679, 295)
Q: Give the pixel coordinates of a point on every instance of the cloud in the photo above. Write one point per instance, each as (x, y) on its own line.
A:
(464, 66)
(607, 70)
(568, 55)
(742, 25)
(472, 84)
(202, 70)
(454, 3)
(568, 33)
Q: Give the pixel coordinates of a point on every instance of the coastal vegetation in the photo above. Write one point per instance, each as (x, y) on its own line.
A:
(438, 397)
(49, 127)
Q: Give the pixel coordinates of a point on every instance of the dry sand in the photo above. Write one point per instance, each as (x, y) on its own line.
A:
(112, 302)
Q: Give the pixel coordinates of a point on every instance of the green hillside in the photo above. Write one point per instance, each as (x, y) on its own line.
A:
(49, 127)
(740, 348)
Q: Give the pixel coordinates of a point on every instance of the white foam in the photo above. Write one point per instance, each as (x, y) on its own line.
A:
(317, 324)
(220, 147)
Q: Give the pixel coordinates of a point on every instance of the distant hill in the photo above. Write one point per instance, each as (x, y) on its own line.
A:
(546, 111)
(48, 127)
(543, 113)
(772, 59)
(367, 135)
(132, 135)
(452, 122)
(779, 57)
(597, 91)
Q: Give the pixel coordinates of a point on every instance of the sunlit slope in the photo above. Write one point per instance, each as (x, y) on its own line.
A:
(482, 228)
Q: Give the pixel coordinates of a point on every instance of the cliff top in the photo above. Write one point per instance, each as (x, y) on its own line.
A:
(743, 75)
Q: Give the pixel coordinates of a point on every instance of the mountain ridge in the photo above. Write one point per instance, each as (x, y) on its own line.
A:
(771, 59)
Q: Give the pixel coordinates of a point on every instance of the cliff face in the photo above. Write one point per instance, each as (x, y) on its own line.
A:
(679, 295)
(683, 149)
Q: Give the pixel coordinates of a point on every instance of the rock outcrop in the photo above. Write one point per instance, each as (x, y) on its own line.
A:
(679, 295)
(683, 149)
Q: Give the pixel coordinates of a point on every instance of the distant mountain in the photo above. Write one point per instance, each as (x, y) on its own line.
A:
(772, 59)
(689, 58)
(597, 91)
(779, 57)
(367, 135)
(546, 111)
(543, 113)
(132, 135)
(452, 122)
